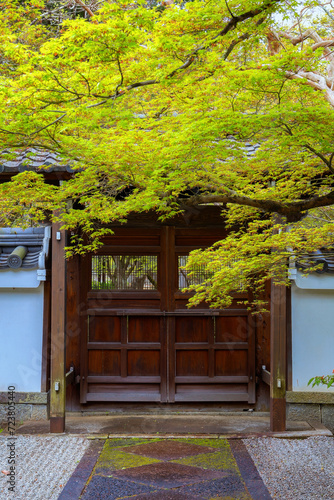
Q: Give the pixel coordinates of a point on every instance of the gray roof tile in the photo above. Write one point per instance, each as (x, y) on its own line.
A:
(324, 258)
(36, 240)
(31, 159)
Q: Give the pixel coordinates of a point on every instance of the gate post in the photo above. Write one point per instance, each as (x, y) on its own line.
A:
(58, 310)
(278, 358)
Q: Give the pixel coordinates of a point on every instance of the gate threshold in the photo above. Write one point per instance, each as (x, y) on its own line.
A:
(184, 425)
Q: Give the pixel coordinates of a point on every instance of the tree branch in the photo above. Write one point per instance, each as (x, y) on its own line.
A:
(328, 163)
(319, 42)
(324, 43)
(48, 125)
(241, 38)
(121, 73)
(228, 8)
(292, 210)
(230, 25)
(314, 80)
(234, 43)
(87, 9)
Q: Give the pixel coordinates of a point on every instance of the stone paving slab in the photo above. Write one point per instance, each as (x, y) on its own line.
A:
(81, 474)
(189, 469)
(167, 495)
(248, 470)
(167, 475)
(109, 488)
(168, 450)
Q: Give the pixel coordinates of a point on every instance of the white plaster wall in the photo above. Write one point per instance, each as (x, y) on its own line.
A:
(21, 332)
(312, 333)
(19, 278)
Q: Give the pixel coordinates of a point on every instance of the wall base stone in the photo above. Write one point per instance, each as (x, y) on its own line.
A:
(318, 406)
(302, 411)
(28, 406)
(328, 416)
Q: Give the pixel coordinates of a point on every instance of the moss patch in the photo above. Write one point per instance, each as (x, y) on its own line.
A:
(213, 443)
(113, 459)
(219, 460)
(122, 442)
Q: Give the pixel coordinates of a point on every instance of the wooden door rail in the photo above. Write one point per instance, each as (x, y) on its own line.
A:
(109, 379)
(265, 376)
(118, 346)
(223, 397)
(70, 376)
(237, 379)
(218, 346)
(150, 312)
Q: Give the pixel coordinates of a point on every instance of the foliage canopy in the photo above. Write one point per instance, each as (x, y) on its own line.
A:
(162, 102)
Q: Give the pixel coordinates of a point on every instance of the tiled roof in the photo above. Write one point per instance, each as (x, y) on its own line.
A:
(31, 159)
(324, 258)
(29, 262)
(35, 240)
(249, 148)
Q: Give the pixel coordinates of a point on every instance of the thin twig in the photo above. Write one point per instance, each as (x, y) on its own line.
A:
(47, 126)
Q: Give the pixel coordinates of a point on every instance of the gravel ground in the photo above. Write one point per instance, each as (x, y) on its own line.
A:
(295, 469)
(43, 465)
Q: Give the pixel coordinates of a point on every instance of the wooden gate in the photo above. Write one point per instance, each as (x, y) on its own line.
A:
(139, 340)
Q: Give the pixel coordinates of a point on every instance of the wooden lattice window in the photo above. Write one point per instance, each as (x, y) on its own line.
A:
(124, 272)
(198, 273)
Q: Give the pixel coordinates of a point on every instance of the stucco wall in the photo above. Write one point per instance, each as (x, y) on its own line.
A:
(312, 329)
(21, 329)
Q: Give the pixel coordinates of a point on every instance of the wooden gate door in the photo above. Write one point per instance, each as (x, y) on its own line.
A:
(141, 343)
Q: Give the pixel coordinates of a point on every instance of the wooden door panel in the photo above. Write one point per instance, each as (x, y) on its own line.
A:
(126, 355)
(104, 329)
(211, 358)
(231, 329)
(95, 362)
(143, 329)
(102, 362)
(143, 363)
(190, 329)
(206, 392)
(231, 363)
(123, 392)
(192, 363)
(111, 363)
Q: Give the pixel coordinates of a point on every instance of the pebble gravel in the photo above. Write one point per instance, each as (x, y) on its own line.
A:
(43, 465)
(295, 469)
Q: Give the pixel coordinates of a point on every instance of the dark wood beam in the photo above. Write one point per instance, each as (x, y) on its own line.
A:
(58, 310)
(278, 311)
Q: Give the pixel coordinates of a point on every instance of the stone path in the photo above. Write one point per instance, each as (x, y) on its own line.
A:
(166, 469)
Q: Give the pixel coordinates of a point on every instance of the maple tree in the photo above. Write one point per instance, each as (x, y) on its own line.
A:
(176, 105)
